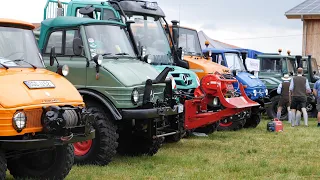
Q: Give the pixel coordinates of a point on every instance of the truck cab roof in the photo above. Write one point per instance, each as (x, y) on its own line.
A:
(68, 21)
(16, 23)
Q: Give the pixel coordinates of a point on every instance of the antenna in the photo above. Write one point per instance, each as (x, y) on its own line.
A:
(179, 11)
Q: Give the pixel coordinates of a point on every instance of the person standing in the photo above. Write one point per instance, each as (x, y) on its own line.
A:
(299, 87)
(283, 90)
(316, 92)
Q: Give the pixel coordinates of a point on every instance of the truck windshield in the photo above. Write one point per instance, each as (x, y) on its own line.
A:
(271, 65)
(108, 40)
(189, 41)
(149, 33)
(234, 62)
(18, 48)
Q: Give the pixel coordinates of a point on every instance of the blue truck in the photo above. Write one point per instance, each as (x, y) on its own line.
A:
(254, 87)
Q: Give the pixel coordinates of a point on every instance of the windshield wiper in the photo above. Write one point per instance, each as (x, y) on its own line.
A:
(5, 66)
(121, 54)
(108, 54)
(124, 54)
(17, 60)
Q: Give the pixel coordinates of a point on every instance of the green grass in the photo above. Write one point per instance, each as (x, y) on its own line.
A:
(245, 154)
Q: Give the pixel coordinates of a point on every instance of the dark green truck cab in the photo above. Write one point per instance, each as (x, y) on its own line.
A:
(130, 99)
(274, 65)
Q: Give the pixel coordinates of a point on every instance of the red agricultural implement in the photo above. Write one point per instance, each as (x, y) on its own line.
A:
(216, 100)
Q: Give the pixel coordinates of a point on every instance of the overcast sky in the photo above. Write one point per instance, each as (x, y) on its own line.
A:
(242, 23)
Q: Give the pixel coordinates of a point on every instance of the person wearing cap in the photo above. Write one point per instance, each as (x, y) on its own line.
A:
(316, 92)
(299, 87)
(283, 90)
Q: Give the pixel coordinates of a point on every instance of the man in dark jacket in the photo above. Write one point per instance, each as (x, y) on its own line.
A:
(299, 87)
(283, 90)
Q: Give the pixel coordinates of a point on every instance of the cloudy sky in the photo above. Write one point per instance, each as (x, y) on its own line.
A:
(255, 24)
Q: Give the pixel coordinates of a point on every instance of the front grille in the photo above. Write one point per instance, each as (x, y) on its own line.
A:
(182, 79)
(34, 118)
(228, 76)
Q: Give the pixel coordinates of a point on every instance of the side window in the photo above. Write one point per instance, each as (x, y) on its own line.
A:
(70, 35)
(55, 40)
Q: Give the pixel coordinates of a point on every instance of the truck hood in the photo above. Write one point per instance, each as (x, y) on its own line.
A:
(199, 64)
(249, 80)
(15, 93)
(130, 72)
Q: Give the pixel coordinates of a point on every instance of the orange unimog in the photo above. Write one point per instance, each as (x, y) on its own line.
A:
(41, 112)
(190, 50)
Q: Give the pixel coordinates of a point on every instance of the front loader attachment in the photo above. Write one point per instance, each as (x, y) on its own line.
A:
(215, 100)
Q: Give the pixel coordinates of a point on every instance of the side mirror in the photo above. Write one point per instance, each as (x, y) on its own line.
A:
(291, 73)
(234, 72)
(97, 59)
(207, 54)
(52, 55)
(142, 51)
(314, 72)
(129, 22)
(77, 46)
(145, 58)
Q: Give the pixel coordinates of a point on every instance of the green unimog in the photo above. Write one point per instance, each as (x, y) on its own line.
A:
(129, 97)
(273, 66)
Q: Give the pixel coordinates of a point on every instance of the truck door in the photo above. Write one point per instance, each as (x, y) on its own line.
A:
(62, 40)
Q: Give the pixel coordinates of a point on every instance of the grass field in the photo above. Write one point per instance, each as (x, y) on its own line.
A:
(244, 154)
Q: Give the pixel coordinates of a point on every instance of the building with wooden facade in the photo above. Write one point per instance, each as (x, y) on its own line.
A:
(308, 12)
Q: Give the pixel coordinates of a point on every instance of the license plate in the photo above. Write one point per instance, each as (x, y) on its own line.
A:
(180, 108)
(39, 84)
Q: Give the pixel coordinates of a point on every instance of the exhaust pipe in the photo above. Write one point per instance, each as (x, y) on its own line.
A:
(299, 62)
(60, 9)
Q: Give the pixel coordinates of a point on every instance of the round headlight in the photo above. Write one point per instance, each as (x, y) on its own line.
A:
(215, 101)
(135, 96)
(254, 92)
(65, 70)
(19, 120)
(266, 91)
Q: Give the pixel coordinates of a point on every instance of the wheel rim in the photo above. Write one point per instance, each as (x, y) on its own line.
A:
(82, 148)
(225, 123)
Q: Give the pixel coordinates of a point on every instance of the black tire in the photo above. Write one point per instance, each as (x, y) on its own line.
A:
(3, 165)
(272, 110)
(209, 129)
(231, 126)
(253, 121)
(137, 146)
(182, 132)
(49, 164)
(104, 145)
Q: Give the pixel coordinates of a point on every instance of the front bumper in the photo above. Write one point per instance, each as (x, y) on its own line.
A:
(265, 103)
(43, 143)
(129, 114)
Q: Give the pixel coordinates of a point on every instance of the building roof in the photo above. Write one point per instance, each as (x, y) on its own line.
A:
(309, 9)
(214, 43)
